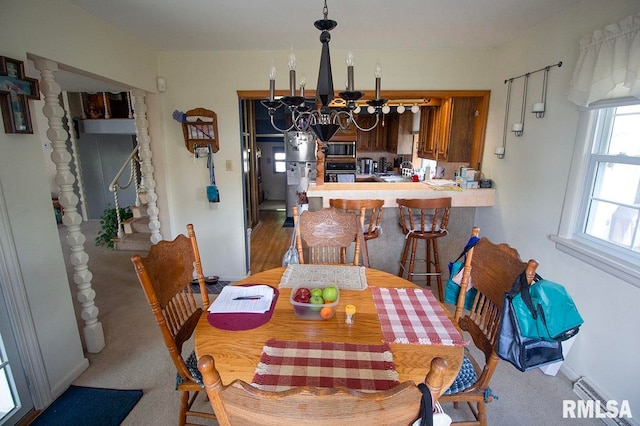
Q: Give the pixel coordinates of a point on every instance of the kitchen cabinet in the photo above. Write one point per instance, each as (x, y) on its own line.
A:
(399, 135)
(454, 131)
(371, 140)
(348, 135)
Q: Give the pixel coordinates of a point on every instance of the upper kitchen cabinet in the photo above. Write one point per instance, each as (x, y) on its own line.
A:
(454, 131)
(348, 135)
(372, 140)
(399, 136)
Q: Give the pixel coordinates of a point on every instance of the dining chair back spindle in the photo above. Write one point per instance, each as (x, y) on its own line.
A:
(491, 269)
(326, 235)
(239, 403)
(165, 275)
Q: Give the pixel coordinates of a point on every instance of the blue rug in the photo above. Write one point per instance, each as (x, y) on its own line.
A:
(81, 406)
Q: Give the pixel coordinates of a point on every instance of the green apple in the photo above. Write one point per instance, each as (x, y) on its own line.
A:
(316, 292)
(316, 300)
(330, 294)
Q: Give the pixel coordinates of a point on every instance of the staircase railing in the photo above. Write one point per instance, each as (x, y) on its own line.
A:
(132, 160)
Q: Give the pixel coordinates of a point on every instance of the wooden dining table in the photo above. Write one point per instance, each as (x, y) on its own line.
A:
(237, 353)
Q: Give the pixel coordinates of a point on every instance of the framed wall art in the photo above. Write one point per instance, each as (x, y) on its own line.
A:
(15, 90)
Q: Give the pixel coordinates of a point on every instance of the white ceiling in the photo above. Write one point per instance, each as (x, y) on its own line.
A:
(281, 24)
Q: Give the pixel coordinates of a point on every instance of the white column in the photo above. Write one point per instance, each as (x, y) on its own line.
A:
(76, 158)
(146, 166)
(92, 330)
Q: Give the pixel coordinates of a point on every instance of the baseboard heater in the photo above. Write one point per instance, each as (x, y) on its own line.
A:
(587, 392)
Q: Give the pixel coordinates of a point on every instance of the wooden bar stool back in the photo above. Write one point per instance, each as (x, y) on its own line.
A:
(423, 220)
(370, 212)
(165, 275)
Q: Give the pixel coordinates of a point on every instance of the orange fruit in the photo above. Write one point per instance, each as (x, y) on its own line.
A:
(326, 312)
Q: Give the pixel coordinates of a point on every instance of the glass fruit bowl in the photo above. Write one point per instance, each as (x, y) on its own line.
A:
(321, 310)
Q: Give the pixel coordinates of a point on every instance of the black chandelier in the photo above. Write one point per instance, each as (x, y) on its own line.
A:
(324, 121)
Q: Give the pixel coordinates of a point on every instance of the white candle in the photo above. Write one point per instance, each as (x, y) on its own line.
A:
(538, 107)
(499, 150)
(517, 127)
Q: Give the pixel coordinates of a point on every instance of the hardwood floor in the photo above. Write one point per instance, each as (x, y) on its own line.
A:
(269, 241)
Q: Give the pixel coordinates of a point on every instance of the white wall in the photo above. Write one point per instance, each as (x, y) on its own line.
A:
(56, 30)
(531, 182)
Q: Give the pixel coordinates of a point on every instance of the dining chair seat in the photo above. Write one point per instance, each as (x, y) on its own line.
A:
(466, 377)
(192, 365)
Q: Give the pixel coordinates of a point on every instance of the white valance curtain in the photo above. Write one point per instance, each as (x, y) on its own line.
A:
(609, 63)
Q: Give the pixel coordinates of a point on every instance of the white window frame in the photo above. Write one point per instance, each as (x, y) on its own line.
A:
(279, 150)
(570, 239)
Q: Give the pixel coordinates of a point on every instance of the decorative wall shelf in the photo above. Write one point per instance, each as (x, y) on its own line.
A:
(200, 128)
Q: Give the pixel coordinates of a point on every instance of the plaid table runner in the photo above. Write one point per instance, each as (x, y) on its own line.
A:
(413, 315)
(287, 364)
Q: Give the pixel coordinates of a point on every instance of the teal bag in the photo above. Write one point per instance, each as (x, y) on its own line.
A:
(452, 290)
(546, 311)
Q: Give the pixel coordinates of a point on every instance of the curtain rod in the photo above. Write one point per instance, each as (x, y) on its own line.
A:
(559, 64)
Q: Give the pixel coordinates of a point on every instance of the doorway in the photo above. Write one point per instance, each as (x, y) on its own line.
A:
(15, 397)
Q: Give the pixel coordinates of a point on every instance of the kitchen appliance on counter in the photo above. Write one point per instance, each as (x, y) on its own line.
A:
(340, 171)
(340, 150)
(383, 166)
(366, 166)
(300, 158)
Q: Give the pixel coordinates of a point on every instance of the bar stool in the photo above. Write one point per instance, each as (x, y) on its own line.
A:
(423, 219)
(370, 212)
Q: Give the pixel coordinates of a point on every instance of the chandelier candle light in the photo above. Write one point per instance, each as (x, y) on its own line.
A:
(325, 121)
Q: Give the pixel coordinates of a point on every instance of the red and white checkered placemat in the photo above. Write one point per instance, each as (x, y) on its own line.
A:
(287, 364)
(413, 315)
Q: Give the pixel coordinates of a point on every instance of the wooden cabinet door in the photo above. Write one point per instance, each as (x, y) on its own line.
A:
(461, 129)
(430, 129)
(365, 140)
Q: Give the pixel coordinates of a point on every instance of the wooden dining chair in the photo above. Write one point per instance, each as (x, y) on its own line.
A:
(165, 275)
(370, 212)
(326, 235)
(491, 268)
(239, 403)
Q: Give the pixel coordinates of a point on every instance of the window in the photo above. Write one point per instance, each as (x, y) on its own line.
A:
(279, 163)
(601, 221)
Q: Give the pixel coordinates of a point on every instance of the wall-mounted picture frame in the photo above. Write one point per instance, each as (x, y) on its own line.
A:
(15, 90)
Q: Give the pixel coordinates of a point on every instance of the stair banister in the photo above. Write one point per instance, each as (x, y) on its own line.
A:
(133, 177)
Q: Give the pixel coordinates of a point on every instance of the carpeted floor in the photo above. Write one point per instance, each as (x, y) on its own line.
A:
(135, 356)
(80, 406)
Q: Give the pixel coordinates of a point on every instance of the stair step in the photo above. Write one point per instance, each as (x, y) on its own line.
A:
(139, 211)
(133, 242)
(133, 225)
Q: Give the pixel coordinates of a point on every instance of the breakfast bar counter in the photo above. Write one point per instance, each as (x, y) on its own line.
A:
(384, 251)
(390, 191)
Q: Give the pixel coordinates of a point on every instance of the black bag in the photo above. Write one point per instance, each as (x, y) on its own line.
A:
(523, 352)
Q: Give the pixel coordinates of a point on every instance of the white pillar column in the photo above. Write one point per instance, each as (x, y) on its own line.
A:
(146, 166)
(92, 330)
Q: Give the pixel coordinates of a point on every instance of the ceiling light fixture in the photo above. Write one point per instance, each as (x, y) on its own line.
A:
(324, 121)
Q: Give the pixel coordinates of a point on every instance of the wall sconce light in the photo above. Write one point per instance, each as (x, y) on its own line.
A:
(518, 128)
(539, 107)
(499, 152)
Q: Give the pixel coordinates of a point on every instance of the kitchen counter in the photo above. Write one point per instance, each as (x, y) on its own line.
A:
(390, 191)
(384, 251)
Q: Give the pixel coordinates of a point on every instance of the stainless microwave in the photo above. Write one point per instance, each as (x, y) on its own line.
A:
(341, 149)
